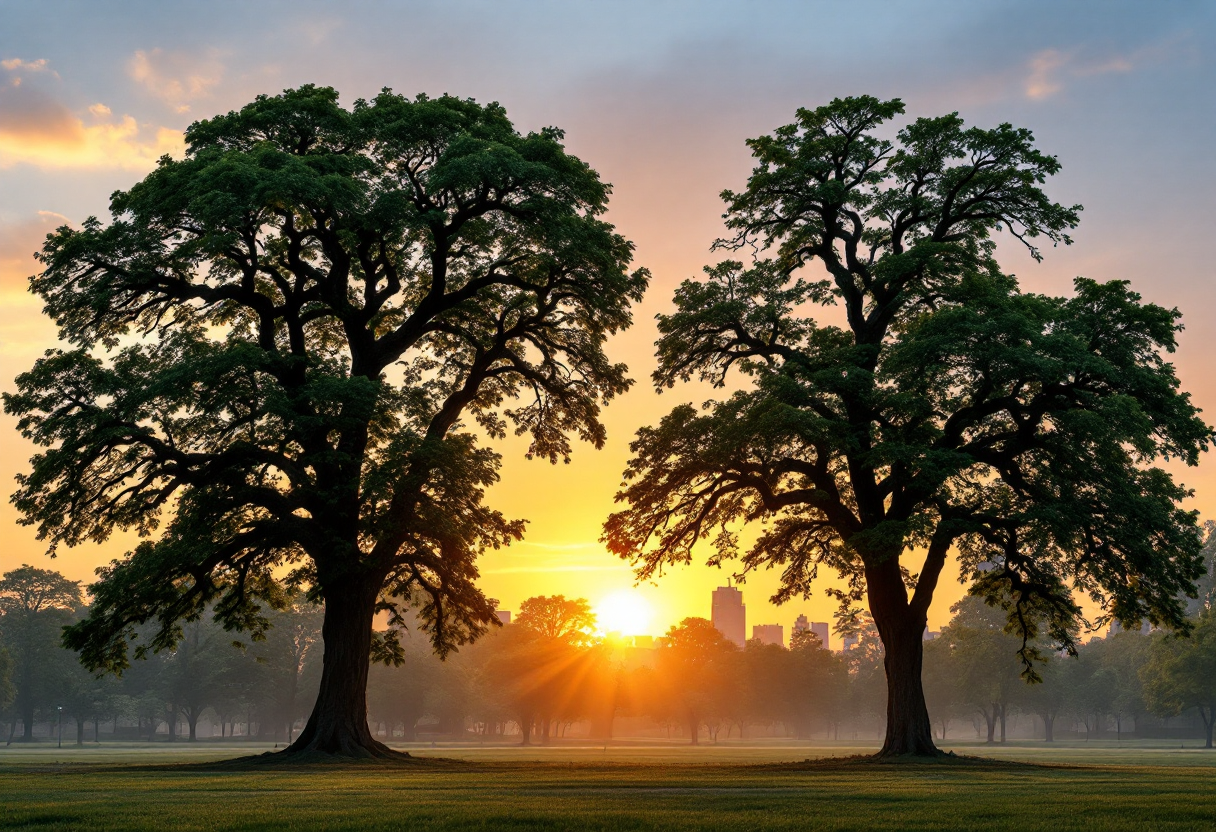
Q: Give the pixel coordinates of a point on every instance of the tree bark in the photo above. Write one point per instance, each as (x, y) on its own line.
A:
(338, 724)
(1049, 723)
(901, 628)
(909, 731)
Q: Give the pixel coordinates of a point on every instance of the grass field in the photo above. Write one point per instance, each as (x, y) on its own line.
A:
(725, 787)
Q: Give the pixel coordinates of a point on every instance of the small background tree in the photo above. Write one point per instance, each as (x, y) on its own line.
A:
(1181, 674)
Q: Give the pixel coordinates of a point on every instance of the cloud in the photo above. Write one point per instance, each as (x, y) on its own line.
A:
(18, 242)
(1044, 73)
(175, 77)
(36, 128)
(1051, 68)
(317, 31)
(17, 65)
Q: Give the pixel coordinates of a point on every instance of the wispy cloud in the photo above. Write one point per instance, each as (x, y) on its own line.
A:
(559, 547)
(1050, 70)
(556, 557)
(176, 78)
(1044, 74)
(552, 567)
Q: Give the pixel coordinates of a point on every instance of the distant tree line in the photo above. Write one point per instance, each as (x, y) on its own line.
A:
(259, 689)
(548, 676)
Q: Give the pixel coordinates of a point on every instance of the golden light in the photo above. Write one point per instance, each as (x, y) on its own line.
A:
(625, 612)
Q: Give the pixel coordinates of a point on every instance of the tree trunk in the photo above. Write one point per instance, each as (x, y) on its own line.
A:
(1049, 723)
(694, 730)
(80, 721)
(525, 728)
(27, 719)
(338, 724)
(192, 721)
(1209, 719)
(1001, 715)
(991, 720)
(909, 731)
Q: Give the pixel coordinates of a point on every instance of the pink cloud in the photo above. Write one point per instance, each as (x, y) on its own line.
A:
(176, 78)
(18, 242)
(37, 128)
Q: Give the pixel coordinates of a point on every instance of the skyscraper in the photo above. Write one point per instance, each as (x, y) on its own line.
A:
(729, 614)
(819, 628)
(769, 634)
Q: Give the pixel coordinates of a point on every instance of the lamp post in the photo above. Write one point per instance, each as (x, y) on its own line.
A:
(60, 709)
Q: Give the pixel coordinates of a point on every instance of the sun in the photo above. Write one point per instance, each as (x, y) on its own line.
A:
(625, 612)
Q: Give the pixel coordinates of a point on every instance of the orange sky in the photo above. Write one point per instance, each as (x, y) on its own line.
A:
(659, 101)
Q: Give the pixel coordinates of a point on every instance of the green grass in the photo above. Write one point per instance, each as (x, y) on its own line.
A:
(745, 786)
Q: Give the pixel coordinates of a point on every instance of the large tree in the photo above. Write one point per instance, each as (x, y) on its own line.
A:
(934, 407)
(282, 345)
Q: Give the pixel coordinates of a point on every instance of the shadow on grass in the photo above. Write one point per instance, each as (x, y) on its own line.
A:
(320, 763)
(950, 760)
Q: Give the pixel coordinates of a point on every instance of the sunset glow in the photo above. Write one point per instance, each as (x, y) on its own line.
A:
(661, 111)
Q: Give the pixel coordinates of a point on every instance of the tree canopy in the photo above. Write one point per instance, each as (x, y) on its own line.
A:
(949, 410)
(283, 348)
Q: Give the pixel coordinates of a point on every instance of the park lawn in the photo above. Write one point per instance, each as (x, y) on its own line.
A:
(552, 791)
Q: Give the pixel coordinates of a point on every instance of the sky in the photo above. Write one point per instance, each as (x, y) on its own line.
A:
(659, 98)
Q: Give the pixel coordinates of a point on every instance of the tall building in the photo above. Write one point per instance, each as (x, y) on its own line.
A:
(729, 614)
(769, 634)
(819, 628)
